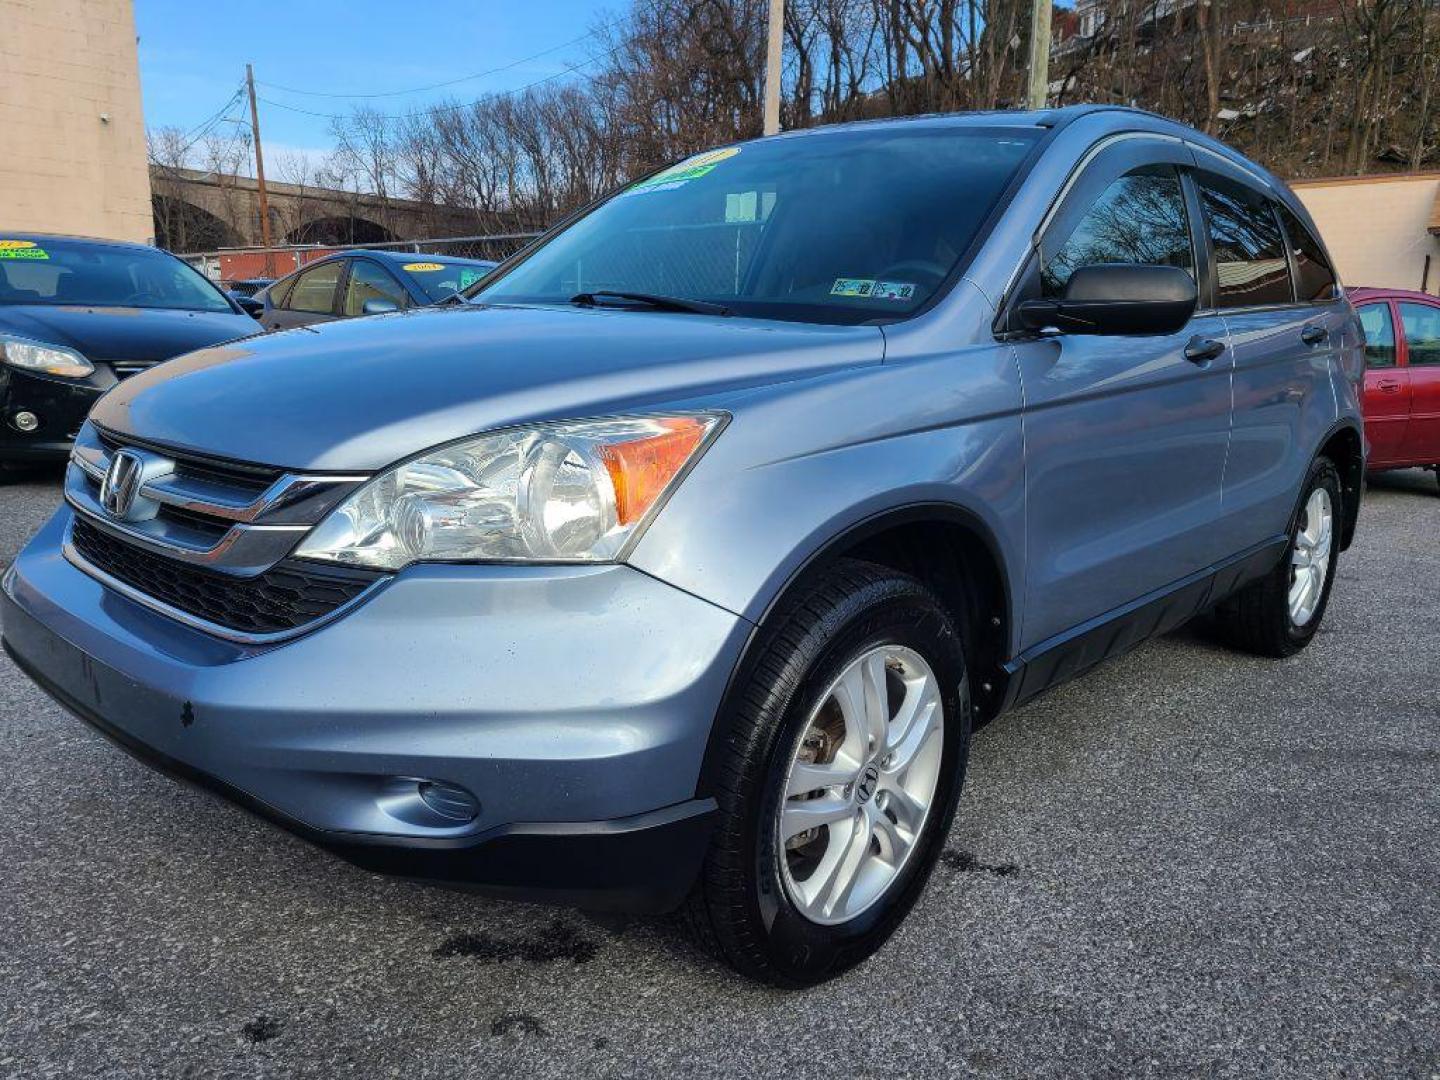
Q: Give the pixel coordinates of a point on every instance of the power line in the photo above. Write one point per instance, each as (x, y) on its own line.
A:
(572, 69)
(448, 82)
(200, 130)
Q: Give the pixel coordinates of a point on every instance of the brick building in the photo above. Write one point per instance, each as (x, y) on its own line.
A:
(72, 133)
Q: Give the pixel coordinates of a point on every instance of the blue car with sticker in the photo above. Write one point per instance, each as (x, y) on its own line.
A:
(675, 566)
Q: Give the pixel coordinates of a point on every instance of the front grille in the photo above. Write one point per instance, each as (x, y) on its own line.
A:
(284, 599)
(123, 369)
(244, 478)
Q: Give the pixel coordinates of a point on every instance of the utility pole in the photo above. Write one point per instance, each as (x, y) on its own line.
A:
(773, 45)
(259, 168)
(1037, 95)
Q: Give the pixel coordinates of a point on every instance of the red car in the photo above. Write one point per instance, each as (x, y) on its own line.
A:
(1402, 377)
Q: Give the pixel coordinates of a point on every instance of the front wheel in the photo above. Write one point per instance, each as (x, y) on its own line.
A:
(841, 766)
(1279, 614)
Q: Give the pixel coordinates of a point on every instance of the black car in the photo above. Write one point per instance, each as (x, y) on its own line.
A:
(250, 286)
(354, 283)
(78, 315)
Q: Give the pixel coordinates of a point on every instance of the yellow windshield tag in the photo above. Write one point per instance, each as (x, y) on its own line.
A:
(21, 249)
(423, 268)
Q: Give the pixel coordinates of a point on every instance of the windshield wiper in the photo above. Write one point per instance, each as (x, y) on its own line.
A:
(660, 303)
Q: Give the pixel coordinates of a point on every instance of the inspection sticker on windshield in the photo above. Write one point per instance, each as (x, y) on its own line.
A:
(849, 286)
(21, 249)
(469, 277)
(892, 290)
(423, 268)
(692, 168)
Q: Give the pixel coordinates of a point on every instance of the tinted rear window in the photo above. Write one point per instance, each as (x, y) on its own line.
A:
(1314, 280)
(1250, 265)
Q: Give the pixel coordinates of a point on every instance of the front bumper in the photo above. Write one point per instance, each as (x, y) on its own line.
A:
(60, 404)
(573, 703)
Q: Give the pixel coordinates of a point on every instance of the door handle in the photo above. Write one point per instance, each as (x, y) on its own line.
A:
(1314, 335)
(1201, 350)
(1389, 387)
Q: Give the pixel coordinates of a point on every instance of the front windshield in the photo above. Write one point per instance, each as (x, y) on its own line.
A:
(437, 280)
(836, 227)
(53, 271)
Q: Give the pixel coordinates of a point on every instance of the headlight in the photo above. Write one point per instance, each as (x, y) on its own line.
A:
(565, 492)
(29, 355)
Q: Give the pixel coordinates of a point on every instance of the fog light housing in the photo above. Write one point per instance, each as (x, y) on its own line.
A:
(449, 800)
(25, 421)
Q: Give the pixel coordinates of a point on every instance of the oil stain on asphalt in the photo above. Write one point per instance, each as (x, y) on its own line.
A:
(966, 862)
(262, 1029)
(557, 941)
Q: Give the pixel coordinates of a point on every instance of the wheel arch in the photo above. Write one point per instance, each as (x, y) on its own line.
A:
(1344, 444)
(949, 548)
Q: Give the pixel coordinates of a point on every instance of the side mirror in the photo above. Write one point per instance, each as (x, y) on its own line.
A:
(248, 304)
(1117, 298)
(378, 305)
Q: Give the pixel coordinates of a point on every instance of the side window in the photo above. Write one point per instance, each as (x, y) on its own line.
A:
(1314, 279)
(1140, 218)
(1250, 265)
(1379, 330)
(314, 290)
(371, 282)
(1422, 333)
(280, 292)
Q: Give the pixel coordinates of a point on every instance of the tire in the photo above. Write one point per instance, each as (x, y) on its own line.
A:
(1259, 618)
(746, 907)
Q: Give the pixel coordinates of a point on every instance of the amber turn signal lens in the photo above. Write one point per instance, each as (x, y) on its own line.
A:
(642, 468)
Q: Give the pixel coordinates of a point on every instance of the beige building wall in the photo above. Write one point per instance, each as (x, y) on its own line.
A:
(72, 133)
(1377, 227)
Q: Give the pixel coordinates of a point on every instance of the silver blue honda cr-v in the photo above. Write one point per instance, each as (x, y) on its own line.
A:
(675, 568)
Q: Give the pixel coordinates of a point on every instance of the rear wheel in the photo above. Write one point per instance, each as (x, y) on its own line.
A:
(838, 779)
(1279, 614)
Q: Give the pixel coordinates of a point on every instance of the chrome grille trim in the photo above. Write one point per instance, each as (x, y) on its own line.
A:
(292, 499)
(243, 550)
(230, 529)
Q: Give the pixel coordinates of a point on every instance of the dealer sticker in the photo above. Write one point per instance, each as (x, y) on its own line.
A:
(423, 268)
(22, 249)
(692, 168)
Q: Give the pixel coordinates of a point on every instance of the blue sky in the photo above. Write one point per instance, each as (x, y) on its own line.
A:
(193, 56)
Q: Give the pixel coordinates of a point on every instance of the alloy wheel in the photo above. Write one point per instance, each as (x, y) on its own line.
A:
(1310, 558)
(860, 784)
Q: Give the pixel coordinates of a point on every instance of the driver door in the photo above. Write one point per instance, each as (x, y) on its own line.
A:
(1125, 436)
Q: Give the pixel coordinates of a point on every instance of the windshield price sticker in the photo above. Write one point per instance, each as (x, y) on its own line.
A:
(692, 168)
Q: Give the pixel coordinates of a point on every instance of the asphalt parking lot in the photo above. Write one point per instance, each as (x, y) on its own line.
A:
(1188, 863)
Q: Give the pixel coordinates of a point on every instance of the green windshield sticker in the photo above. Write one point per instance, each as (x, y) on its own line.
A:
(893, 290)
(847, 286)
(30, 251)
(692, 168)
(469, 277)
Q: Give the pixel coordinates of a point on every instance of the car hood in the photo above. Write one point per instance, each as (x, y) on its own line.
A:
(124, 333)
(360, 394)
